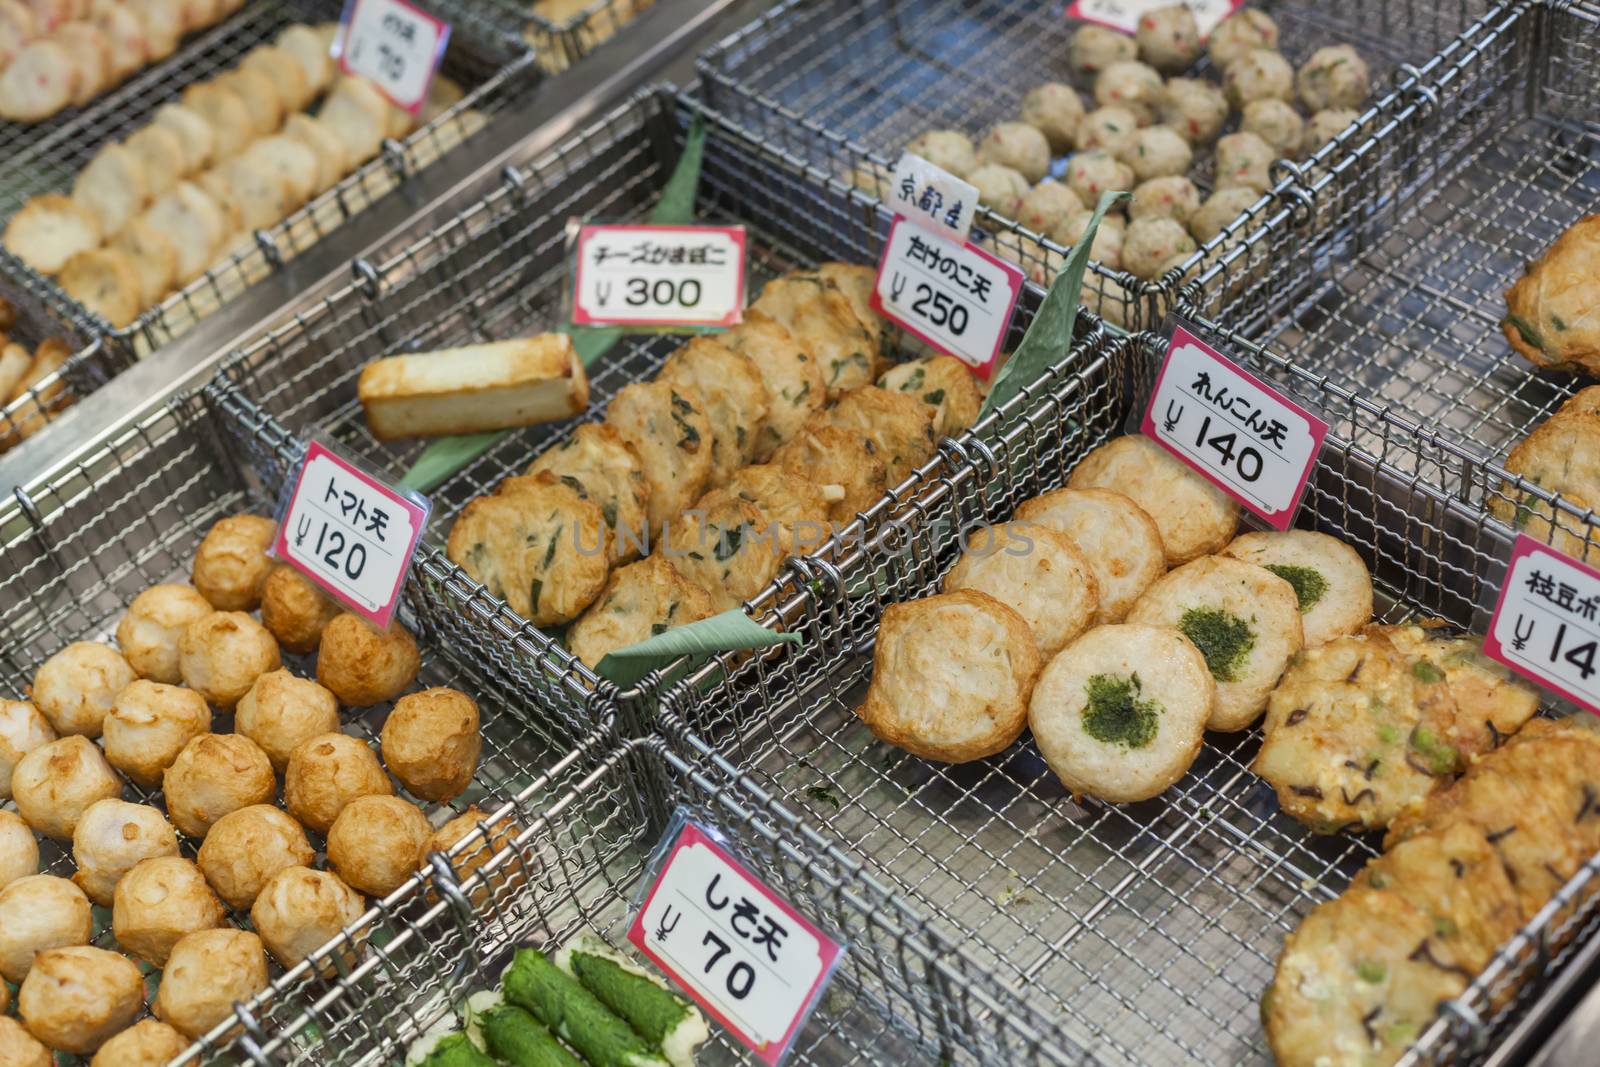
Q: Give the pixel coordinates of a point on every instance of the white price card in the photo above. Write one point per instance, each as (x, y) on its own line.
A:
(933, 198)
(1254, 443)
(671, 276)
(1547, 623)
(956, 297)
(1124, 14)
(350, 532)
(396, 45)
(747, 957)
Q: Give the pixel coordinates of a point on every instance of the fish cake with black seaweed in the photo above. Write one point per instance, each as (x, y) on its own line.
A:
(793, 379)
(667, 426)
(595, 460)
(734, 395)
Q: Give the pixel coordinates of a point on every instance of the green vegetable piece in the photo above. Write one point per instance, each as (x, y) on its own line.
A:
(1426, 672)
(1400, 1033)
(1529, 334)
(651, 1010)
(574, 1014)
(1388, 734)
(1378, 880)
(1439, 755)
(1223, 639)
(455, 1050)
(1445, 926)
(1309, 584)
(1369, 971)
(519, 1039)
(1115, 714)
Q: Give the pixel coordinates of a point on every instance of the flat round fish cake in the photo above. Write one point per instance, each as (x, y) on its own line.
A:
(1117, 536)
(1194, 516)
(1038, 572)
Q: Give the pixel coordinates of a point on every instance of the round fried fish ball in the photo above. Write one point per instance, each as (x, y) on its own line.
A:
(672, 436)
(1331, 583)
(949, 150)
(232, 564)
(640, 600)
(300, 910)
(1335, 76)
(1046, 205)
(1276, 123)
(1106, 249)
(148, 726)
(1171, 197)
(77, 998)
(1159, 152)
(1244, 159)
(1000, 188)
(75, 687)
(1243, 31)
(378, 842)
(612, 477)
(1118, 538)
(1220, 209)
(158, 903)
(222, 654)
(479, 839)
(114, 837)
(1257, 75)
(363, 665)
(1111, 128)
(431, 743)
(147, 1043)
(22, 729)
(1195, 108)
(834, 457)
(206, 973)
(1055, 111)
(56, 783)
(294, 610)
(1133, 85)
(897, 427)
(1094, 48)
(794, 381)
(1150, 244)
(149, 630)
(40, 912)
(725, 546)
(18, 1048)
(944, 384)
(19, 852)
(1195, 517)
(1096, 171)
(1016, 145)
(249, 846)
(280, 711)
(213, 775)
(1038, 573)
(1324, 126)
(732, 395)
(326, 773)
(1168, 38)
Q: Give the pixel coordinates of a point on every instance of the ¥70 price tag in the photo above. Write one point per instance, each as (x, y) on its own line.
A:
(350, 532)
(1547, 623)
(395, 44)
(752, 961)
(659, 276)
(1253, 442)
(1124, 14)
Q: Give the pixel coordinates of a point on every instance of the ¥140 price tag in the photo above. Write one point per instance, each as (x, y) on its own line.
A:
(1547, 623)
(395, 44)
(933, 198)
(733, 944)
(1253, 442)
(659, 276)
(956, 297)
(1124, 14)
(350, 532)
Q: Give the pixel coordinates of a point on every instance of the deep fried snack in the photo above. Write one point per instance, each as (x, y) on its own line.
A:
(640, 600)
(361, 665)
(431, 743)
(1553, 310)
(1118, 538)
(1195, 517)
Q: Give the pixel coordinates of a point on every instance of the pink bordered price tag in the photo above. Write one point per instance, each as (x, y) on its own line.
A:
(1254, 443)
(394, 44)
(659, 276)
(1546, 624)
(351, 532)
(740, 950)
(1124, 14)
(953, 295)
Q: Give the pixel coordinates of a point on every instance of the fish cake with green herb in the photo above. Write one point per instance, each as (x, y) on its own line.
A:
(1331, 583)
(793, 379)
(1469, 703)
(1553, 310)
(821, 319)
(734, 396)
(1561, 455)
(836, 459)
(668, 428)
(641, 600)
(944, 384)
(1195, 517)
(1117, 536)
(798, 506)
(895, 427)
(856, 282)
(726, 546)
(596, 460)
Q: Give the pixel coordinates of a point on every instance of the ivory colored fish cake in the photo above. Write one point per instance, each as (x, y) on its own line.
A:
(1038, 572)
(1195, 517)
(833, 457)
(798, 506)
(668, 428)
(795, 387)
(896, 427)
(595, 460)
(641, 600)
(1118, 538)
(1330, 581)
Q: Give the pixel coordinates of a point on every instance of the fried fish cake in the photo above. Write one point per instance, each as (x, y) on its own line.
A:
(851, 474)
(641, 600)
(820, 318)
(1553, 310)
(1038, 572)
(951, 677)
(667, 427)
(610, 475)
(725, 546)
(856, 282)
(733, 395)
(797, 506)
(1117, 536)
(1469, 703)
(944, 384)
(1564, 769)
(1561, 455)
(1242, 618)
(793, 379)
(1195, 517)
(896, 427)
(1330, 581)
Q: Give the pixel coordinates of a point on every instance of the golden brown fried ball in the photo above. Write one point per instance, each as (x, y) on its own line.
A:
(328, 772)
(377, 842)
(206, 973)
(300, 910)
(280, 711)
(222, 654)
(232, 564)
(148, 726)
(149, 630)
(479, 843)
(114, 837)
(160, 901)
(295, 610)
(55, 784)
(75, 999)
(363, 665)
(19, 852)
(248, 846)
(146, 1043)
(40, 912)
(213, 775)
(18, 1048)
(22, 729)
(431, 742)
(75, 687)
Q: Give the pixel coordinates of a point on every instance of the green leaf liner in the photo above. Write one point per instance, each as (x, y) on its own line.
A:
(732, 630)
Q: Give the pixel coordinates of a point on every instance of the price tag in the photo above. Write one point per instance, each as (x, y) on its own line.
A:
(956, 297)
(1547, 623)
(671, 276)
(933, 198)
(1124, 14)
(733, 944)
(1256, 444)
(350, 532)
(395, 44)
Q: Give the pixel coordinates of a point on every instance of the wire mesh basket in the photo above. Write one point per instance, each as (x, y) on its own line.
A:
(564, 31)
(1139, 934)
(849, 84)
(86, 369)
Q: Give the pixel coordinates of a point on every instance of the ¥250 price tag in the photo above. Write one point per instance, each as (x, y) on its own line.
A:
(659, 276)
(752, 961)
(396, 45)
(932, 197)
(1547, 622)
(1124, 14)
(1253, 442)
(956, 297)
(350, 532)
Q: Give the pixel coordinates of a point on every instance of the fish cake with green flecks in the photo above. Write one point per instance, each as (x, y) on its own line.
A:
(1561, 455)
(836, 458)
(943, 383)
(822, 320)
(668, 428)
(1469, 703)
(732, 393)
(1194, 516)
(793, 379)
(640, 600)
(725, 545)
(895, 427)
(596, 460)
(1331, 583)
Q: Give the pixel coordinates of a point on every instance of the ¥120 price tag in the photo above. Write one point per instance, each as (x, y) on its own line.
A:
(659, 276)
(956, 297)
(1253, 442)
(1124, 14)
(752, 961)
(1547, 623)
(350, 532)
(933, 198)
(395, 44)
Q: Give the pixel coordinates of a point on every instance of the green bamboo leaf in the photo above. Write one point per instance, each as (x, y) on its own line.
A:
(729, 631)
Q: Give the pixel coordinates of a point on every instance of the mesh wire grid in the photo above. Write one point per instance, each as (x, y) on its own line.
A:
(88, 368)
(848, 84)
(564, 31)
(1138, 934)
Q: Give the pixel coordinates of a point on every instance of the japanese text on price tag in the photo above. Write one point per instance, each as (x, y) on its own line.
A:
(350, 533)
(1124, 14)
(741, 951)
(933, 198)
(659, 276)
(396, 45)
(1547, 623)
(1253, 442)
(956, 297)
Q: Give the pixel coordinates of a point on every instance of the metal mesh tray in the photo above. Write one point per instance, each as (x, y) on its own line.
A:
(88, 368)
(564, 31)
(848, 84)
(1139, 934)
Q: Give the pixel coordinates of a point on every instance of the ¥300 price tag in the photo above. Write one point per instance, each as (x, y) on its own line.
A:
(396, 45)
(956, 297)
(1547, 623)
(1124, 14)
(1253, 442)
(933, 198)
(672, 276)
(350, 533)
(733, 944)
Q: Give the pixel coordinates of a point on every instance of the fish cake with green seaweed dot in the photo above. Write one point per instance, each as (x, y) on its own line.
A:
(667, 426)
(1330, 581)
(821, 318)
